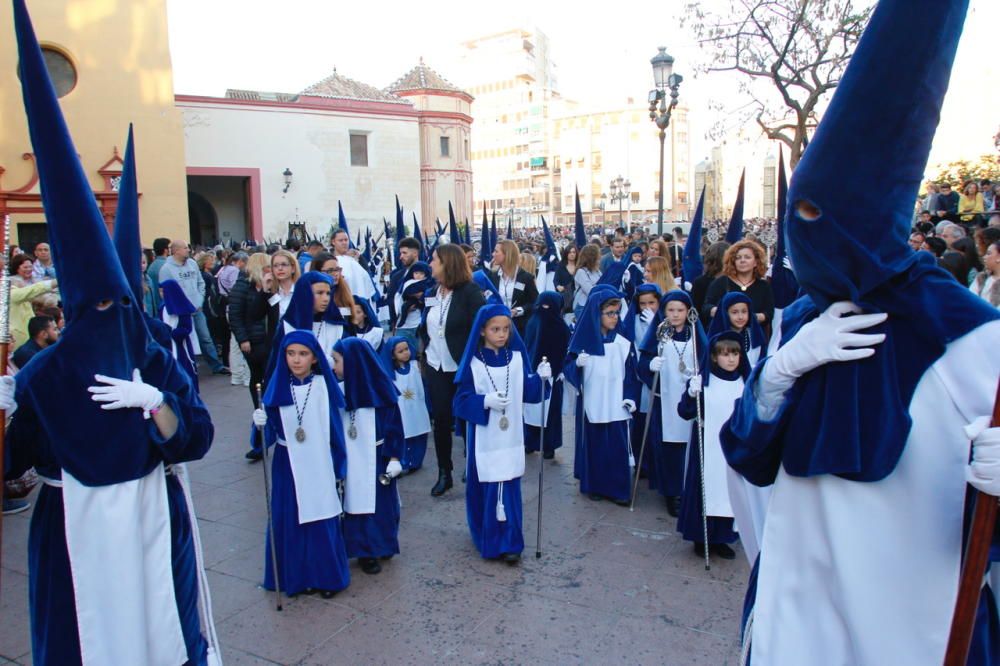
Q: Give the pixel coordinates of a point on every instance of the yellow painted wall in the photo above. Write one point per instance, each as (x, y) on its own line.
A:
(122, 57)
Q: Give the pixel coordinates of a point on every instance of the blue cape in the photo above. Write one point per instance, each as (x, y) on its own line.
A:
(547, 333)
(587, 336)
(366, 382)
(720, 322)
(484, 282)
(874, 140)
(514, 342)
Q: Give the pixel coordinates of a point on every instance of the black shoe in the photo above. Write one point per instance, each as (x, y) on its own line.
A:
(511, 558)
(254, 456)
(444, 483)
(549, 455)
(673, 506)
(595, 498)
(622, 502)
(310, 591)
(327, 594)
(369, 565)
(699, 549)
(722, 551)
(221, 371)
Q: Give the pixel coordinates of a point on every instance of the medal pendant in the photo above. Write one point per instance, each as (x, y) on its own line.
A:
(352, 432)
(504, 423)
(682, 367)
(300, 434)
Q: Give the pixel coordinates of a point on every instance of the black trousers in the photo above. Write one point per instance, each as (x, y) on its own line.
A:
(257, 360)
(441, 386)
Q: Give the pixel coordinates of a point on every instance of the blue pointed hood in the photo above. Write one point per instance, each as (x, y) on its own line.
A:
(691, 266)
(400, 231)
(579, 231)
(587, 336)
(515, 343)
(468, 233)
(551, 249)
(873, 142)
(735, 231)
(126, 235)
(547, 333)
(783, 282)
(419, 237)
(453, 235)
(366, 382)
(494, 238)
(510, 228)
(485, 246)
(616, 271)
(342, 224)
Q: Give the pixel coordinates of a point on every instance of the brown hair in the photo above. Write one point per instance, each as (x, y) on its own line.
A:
(588, 257)
(454, 265)
(659, 270)
(662, 249)
(511, 256)
(725, 345)
(712, 261)
(342, 296)
(729, 260)
(528, 263)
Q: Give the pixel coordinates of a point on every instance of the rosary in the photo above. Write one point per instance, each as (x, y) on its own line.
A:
(504, 422)
(443, 312)
(300, 433)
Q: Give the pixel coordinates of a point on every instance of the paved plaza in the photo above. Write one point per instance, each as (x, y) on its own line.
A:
(612, 586)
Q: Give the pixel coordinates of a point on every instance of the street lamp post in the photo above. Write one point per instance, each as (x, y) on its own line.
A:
(659, 109)
(620, 189)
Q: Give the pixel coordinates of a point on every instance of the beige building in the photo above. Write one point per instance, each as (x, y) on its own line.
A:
(708, 175)
(111, 66)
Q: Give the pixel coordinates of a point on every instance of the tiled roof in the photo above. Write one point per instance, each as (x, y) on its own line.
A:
(259, 96)
(340, 87)
(423, 77)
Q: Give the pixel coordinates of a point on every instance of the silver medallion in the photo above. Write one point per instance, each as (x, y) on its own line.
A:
(504, 423)
(682, 366)
(352, 432)
(300, 434)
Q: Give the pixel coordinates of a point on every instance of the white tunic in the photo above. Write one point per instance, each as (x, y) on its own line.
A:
(412, 402)
(311, 461)
(357, 278)
(500, 453)
(641, 328)
(719, 396)
(672, 386)
(362, 457)
(867, 573)
(604, 383)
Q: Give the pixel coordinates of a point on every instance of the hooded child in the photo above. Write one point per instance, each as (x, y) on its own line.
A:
(103, 442)
(645, 301)
(301, 416)
(547, 337)
(177, 312)
(374, 429)
(719, 383)
(399, 358)
(735, 313)
(364, 323)
(494, 381)
(866, 417)
(601, 361)
(669, 348)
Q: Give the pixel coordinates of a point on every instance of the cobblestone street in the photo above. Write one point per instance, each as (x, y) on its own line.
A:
(612, 586)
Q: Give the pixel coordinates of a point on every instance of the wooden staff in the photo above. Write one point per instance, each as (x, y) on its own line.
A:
(4, 349)
(977, 550)
(267, 501)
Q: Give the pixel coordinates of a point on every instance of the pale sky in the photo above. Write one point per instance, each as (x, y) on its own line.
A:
(602, 52)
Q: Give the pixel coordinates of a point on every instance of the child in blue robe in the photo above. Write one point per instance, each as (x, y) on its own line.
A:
(735, 313)
(494, 381)
(399, 358)
(547, 336)
(670, 349)
(302, 422)
(720, 384)
(364, 323)
(374, 441)
(645, 303)
(602, 361)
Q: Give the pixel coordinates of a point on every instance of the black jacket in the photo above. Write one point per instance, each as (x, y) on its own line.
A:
(465, 303)
(249, 313)
(520, 298)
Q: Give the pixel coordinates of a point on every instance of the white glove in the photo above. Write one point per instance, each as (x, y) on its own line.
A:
(544, 371)
(259, 418)
(983, 473)
(495, 401)
(7, 387)
(694, 386)
(828, 338)
(787, 263)
(124, 393)
(581, 359)
(687, 285)
(629, 406)
(656, 363)
(517, 312)
(394, 468)
(646, 316)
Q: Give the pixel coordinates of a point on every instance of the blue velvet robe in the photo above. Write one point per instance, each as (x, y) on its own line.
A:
(492, 537)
